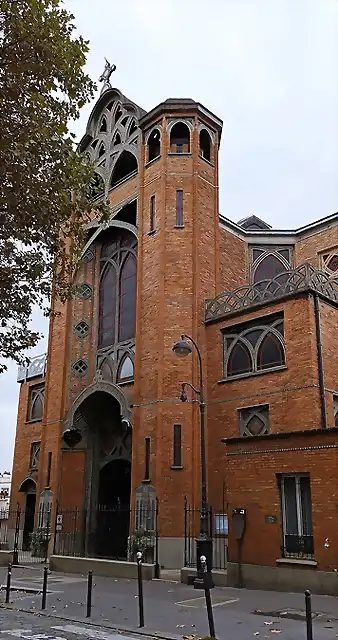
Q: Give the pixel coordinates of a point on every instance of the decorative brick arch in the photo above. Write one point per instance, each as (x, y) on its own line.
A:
(102, 386)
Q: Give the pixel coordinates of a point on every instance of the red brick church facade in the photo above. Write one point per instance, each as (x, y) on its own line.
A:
(262, 306)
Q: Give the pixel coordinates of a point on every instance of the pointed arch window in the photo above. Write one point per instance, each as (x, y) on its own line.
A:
(117, 295)
(269, 262)
(36, 403)
(125, 167)
(329, 263)
(254, 348)
(117, 139)
(103, 125)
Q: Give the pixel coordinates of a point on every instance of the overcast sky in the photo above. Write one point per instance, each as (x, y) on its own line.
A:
(268, 68)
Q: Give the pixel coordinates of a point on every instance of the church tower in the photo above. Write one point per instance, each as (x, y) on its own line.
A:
(178, 268)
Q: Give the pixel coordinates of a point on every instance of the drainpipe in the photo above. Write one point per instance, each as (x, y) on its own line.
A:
(320, 362)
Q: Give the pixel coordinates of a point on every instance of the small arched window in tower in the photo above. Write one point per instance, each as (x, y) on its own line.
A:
(180, 138)
(132, 128)
(125, 167)
(102, 150)
(103, 125)
(154, 145)
(117, 139)
(205, 145)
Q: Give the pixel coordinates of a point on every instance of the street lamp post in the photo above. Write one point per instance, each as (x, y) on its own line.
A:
(204, 541)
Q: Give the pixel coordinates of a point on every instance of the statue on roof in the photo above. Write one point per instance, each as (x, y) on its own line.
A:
(105, 76)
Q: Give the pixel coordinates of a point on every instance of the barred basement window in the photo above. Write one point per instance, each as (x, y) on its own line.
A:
(254, 347)
(81, 329)
(35, 455)
(36, 403)
(84, 291)
(254, 421)
(296, 516)
(79, 368)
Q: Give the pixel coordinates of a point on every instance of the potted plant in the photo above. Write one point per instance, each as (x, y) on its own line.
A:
(141, 540)
(39, 543)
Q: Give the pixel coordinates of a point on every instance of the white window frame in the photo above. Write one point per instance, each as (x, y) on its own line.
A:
(300, 524)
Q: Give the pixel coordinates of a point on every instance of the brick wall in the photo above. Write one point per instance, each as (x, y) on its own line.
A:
(252, 484)
(292, 394)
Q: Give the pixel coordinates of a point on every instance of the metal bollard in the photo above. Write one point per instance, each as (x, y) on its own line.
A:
(140, 588)
(308, 615)
(208, 598)
(8, 584)
(44, 588)
(89, 593)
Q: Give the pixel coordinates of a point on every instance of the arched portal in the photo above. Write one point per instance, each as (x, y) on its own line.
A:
(28, 487)
(108, 474)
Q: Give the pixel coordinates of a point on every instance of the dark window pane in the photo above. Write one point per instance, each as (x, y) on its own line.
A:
(256, 253)
(253, 336)
(332, 265)
(36, 404)
(152, 213)
(305, 497)
(127, 299)
(177, 461)
(147, 459)
(285, 253)
(107, 305)
(270, 353)
(290, 506)
(179, 208)
(239, 360)
(268, 268)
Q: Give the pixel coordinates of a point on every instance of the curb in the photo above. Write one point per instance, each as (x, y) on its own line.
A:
(123, 630)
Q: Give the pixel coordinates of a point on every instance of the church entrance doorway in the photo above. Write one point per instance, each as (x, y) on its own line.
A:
(113, 514)
(108, 476)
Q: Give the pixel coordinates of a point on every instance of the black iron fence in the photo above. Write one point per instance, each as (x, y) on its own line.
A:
(110, 533)
(217, 530)
(26, 534)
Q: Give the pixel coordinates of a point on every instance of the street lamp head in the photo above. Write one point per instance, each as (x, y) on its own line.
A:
(182, 348)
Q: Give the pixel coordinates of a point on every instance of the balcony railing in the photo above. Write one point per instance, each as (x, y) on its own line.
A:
(287, 284)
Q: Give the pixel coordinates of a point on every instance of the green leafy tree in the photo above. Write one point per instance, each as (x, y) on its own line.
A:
(46, 187)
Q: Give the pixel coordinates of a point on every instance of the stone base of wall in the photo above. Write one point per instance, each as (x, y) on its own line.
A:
(220, 577)
(99, 567)
(285, 578)
(171, 552)
(6, 557)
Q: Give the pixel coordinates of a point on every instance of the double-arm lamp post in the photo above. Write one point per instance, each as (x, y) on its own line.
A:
(204, 541)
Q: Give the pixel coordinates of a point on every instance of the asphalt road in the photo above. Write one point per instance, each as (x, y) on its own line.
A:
(171, 610)
(34, 627)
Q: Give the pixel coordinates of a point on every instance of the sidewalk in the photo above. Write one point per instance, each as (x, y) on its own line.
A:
(172, 609)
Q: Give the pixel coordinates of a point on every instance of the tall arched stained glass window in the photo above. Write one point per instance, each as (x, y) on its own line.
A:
(127, 299)
(117, 304)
